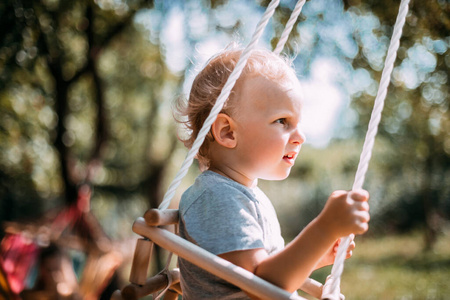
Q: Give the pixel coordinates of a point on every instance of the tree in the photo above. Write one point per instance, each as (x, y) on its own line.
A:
(58, 91)
(81, 96)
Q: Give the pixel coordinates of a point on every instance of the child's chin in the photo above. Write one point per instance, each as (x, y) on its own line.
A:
(278, 176)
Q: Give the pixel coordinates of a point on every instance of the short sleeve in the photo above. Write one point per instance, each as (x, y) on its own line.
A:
(223, 219)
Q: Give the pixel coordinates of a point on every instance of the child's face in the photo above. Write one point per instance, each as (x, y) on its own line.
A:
(269, 136)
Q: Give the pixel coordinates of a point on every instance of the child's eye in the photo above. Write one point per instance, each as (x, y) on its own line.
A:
(281, 121)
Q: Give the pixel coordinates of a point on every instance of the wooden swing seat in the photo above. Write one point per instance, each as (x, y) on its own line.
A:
(151, 228)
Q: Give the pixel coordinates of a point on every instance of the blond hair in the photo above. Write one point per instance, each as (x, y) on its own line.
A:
(208, 84)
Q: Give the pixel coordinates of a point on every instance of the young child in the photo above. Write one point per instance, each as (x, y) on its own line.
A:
(256, 135)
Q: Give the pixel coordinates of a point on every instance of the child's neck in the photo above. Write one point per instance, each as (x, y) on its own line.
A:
(234, 175)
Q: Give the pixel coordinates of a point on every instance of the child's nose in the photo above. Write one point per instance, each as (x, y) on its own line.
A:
(298, 137)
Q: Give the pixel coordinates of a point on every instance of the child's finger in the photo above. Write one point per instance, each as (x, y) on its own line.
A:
(361, 227)
(362, 216)
(362, 205)
(336, 245)
(338, 194)
(359, 195)
(351, 246)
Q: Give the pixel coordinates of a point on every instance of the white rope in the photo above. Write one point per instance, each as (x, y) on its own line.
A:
(225, 93)
(289, 25)
(366, 153)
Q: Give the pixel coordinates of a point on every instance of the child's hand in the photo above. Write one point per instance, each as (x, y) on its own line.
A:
(329, 257)
(345, 213)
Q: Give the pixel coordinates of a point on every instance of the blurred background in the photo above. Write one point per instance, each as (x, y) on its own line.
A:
(88, 142)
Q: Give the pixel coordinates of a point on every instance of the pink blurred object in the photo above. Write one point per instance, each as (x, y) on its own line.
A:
(19, 254)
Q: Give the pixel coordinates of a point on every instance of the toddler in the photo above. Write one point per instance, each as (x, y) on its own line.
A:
(257, 135)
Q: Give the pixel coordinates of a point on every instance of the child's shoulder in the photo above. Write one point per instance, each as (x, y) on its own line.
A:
(212, 182)
(214, 191)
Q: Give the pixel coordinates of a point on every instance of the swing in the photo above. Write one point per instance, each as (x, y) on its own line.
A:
(153, 226)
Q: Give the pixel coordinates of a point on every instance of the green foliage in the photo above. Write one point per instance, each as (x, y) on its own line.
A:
(81, 86)
(395, 267)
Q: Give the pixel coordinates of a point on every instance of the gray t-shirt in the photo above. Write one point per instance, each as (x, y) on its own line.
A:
(221, 215)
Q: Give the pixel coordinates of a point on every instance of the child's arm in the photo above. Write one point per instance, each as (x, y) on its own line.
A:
(290, 267)
(329, 257)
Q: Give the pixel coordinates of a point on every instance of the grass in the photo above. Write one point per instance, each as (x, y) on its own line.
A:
(396, 267)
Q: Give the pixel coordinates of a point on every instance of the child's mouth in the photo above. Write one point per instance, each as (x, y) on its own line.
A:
(289, 158)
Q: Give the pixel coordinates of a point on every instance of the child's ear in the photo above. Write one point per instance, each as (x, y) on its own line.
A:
(223, 131)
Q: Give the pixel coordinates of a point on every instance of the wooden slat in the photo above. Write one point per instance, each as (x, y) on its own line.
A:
(212, 263)
(156, 217)
(117, 295)
(152, 285)
(312, 287)
(141, 261)
(177, 288)
(170, 295)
